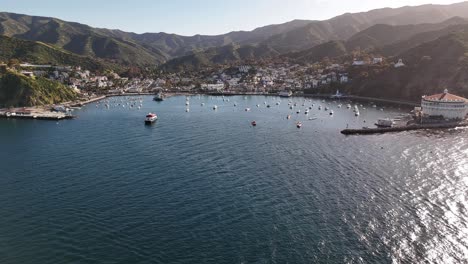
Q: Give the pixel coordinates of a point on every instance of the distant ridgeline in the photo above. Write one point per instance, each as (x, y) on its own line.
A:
(19, 90)
(365, 30)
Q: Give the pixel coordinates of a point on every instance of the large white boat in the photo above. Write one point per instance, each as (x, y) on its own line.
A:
(150, 118)
(285, 94)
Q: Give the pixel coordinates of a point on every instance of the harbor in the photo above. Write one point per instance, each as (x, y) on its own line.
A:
(303, 109)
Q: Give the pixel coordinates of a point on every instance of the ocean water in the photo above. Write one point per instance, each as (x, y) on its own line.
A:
(207, 187)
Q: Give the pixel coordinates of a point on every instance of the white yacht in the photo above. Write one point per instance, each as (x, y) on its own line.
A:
(150, 118)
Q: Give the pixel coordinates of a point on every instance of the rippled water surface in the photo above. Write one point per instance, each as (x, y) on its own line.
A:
(206, 187)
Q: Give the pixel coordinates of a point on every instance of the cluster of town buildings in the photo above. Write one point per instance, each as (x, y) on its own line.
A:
(262, 78)
(269, 78)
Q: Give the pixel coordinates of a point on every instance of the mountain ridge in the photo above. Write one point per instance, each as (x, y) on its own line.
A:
(130, 48)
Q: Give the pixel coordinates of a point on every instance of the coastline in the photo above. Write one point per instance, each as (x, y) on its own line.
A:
(324, 96)
(365, 99)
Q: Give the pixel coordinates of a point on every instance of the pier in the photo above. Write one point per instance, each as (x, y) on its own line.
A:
(368, 131)
(39, 115)
(82, 103)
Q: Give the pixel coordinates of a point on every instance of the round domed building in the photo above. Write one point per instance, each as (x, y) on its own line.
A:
(445, 105)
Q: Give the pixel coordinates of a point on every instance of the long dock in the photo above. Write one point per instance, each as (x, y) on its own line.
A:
(82, 103)
(39, 116)
(368, 131)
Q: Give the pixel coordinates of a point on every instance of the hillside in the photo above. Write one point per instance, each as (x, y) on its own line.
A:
(40, 53)
(431, 67)
(78, 38)
(19, 90)
(331, 49)
(125, 47)
(396, 49)
(382, 35)
(345, 26)
(156, 48)
(380, 39)
(221, 55)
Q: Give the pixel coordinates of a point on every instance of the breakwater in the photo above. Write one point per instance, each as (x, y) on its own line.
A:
(367, 131)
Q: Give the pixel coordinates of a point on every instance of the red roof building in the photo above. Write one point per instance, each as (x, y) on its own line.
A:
(446, 105)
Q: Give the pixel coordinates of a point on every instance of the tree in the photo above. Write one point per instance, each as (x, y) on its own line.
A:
(13, 63)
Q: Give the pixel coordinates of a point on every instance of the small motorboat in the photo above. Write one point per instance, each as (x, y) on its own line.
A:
(150, 118)
(215, 107)
(331, 112)
(159, 97)
(247, 109)
(288, 117)
(385, 122)
(299, 124)
(254, 123)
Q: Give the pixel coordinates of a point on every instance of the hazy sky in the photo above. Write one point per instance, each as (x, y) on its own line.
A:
(189, 17)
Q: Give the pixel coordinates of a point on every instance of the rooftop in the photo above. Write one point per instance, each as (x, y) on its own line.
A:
(445, 97)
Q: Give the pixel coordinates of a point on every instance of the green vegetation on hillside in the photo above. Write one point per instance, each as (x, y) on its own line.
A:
(19, 90)
(330, 49)
(221, 55)
(41, 53)
(430, 68)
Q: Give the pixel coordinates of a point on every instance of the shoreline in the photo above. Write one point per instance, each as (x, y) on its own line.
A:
(365, 99)
(324, 96)
(45, 112)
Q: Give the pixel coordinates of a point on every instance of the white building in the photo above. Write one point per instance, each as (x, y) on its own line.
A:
(244, 68)
(399, 64)
(358, 63)
(343, 79)
(377, 60)
(447, 105)
(213, 87)
(315, 83)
